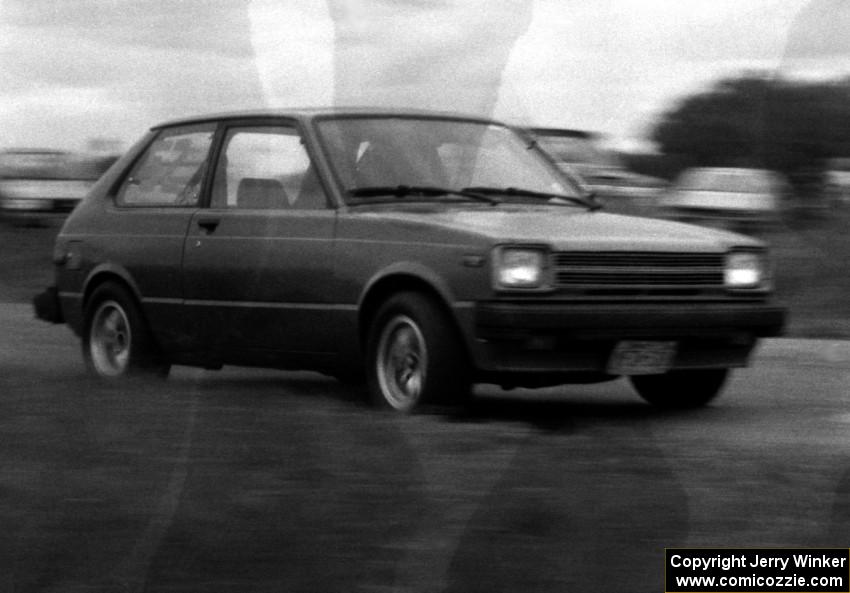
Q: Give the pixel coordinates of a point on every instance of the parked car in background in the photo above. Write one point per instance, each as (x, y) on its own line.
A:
(422, 251)
(37, 184)
(837, 181)
(735, 198)
(617, 187)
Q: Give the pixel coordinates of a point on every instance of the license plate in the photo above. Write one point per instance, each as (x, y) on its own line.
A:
(637, 357)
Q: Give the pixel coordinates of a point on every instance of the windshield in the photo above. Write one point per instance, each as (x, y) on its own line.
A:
(33, 165)
(51, 165)
(369, 152)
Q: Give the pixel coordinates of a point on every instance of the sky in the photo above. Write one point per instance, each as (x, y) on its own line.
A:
(76, 70)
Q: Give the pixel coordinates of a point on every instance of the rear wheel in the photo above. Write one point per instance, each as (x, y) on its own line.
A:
(414, 355)
(681, 389)
(116, 340)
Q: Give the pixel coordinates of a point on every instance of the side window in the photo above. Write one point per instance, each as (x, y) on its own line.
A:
(266, 168)
(171, 170)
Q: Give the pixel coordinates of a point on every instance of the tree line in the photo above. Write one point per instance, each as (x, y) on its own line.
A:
(758, 121)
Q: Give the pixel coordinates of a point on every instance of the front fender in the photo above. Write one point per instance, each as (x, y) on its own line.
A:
(416, 276)
(413, 271)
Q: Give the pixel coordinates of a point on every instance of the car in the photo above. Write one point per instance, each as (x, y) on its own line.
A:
(837, 181)
(580, 153)
(729, 197)
(415, 253)
(36, 184)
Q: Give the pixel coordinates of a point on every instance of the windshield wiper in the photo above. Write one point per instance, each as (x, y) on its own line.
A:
(401, 191)
(588, 201)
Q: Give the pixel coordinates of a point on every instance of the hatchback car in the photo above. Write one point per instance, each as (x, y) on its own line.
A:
(420, 251)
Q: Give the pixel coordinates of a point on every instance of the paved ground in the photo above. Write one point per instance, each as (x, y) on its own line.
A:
(262, 481)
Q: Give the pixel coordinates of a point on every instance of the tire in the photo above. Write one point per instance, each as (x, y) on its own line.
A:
(680, 389)
(116, 340)
(414, 356)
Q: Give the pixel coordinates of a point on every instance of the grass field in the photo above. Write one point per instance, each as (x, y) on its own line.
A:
(812, 265)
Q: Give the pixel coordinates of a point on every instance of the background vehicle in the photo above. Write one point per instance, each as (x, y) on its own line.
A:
(837, 181)
(737, 198)
(620, 189)
(35, 184)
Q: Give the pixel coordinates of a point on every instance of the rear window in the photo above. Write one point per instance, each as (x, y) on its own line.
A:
(53, 165)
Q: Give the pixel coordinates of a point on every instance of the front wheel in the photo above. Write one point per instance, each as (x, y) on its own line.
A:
(116, 340)
(680, 389)
(414, 355)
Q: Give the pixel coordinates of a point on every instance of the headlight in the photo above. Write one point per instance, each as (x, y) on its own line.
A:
(519, 267)
(745, 270)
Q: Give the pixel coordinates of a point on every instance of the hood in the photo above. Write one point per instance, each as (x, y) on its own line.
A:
(565, 228)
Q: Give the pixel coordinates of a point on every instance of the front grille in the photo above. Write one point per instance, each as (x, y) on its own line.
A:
(639, 273)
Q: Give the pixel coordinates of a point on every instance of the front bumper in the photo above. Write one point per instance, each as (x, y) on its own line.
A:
(563, 338)
(500, 320)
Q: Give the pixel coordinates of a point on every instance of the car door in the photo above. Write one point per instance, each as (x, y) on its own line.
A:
(258, 260)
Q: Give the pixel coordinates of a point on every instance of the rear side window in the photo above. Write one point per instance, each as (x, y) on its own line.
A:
(171, 170)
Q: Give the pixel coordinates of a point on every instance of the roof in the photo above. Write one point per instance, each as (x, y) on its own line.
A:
(565, 132)
(305, 113)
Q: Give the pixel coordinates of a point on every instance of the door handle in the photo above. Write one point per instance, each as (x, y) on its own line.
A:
(208, 223)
